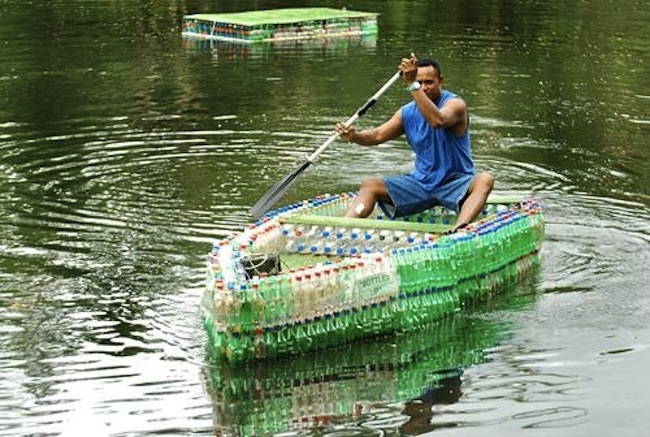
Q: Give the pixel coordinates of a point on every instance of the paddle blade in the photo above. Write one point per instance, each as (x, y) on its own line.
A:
(274, 194)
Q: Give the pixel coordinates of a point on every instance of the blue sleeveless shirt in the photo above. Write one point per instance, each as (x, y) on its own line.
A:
(440, 155)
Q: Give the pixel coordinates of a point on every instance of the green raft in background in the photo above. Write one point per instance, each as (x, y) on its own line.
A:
(306, 278)
(280, 24)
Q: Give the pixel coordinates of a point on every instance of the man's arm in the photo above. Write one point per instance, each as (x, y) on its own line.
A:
(453, 114)
(390, 130)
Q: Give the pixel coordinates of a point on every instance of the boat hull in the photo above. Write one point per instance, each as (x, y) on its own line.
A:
(305, 278)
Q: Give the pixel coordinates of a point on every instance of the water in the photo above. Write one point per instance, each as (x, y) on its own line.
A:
(125, 150)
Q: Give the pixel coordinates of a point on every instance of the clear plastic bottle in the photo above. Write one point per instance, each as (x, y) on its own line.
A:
(312, 234)
(238, 266)
(220, 305)
(369, 236)
(316, 247)
(328, 232)
(354, 250)
(414, 238)
(302, 247)
(292, 245)
(307, 295)
(226, 263)
(398, 239)
(296, 298)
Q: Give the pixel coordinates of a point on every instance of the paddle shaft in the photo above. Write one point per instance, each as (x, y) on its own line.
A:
(279, 189)
(360, 112)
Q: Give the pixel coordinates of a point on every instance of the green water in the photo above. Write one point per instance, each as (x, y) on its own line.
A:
(126, 149)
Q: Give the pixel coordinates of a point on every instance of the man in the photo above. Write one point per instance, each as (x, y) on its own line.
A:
(436, 125)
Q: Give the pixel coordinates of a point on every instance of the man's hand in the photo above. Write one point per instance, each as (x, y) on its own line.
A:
(345, 132)
(409, 69)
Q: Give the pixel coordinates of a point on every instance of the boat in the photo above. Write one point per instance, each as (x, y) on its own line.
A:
(304, 277)
(280, 25)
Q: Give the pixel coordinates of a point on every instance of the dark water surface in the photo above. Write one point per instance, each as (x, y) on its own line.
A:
(124, 150)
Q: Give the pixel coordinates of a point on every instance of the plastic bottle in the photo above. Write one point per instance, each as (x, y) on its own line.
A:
(370, 237)
(439, 265)
(245, 310)
(226, 264)
(258, 316)
(329, 332)
(410, 279)
(383, 240)
(270, 343)
(296, 298)
(354, 250)
(213, 256)
(316, 248)
(259, 344)
(398, 238)
(247, 345)
(308, 295)
(422, 276)
(292, 245)
(345, 285)
(285, 299)
(328, 232)
(281, 341)
(312, 234)
(413, 238)
(302, 342)
(233, 305)
(328, 248)
(335, 289)
(294, 236)
(268, 294)
(238, 266)
(220, 305)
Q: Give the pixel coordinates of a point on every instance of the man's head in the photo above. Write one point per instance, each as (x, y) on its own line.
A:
(430, 76)
(426, 62)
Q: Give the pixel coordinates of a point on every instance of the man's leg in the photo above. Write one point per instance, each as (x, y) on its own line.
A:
(372, 190)
(478, 192)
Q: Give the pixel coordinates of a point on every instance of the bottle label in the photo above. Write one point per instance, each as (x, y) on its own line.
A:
(379, 285)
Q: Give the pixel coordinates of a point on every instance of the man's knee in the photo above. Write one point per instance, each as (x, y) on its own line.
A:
(373, 185)
(484, 182)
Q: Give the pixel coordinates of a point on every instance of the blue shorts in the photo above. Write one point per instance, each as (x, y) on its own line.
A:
(411, 196)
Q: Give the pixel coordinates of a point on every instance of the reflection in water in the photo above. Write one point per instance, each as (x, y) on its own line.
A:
(422, 409)
(232, 50)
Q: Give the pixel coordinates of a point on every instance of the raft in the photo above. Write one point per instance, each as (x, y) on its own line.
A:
(280, 24)
(305, 278)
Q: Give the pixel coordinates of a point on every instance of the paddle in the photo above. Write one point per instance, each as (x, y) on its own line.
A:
(274, 194)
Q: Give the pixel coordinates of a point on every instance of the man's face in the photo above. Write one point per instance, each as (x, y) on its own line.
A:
(431, 83)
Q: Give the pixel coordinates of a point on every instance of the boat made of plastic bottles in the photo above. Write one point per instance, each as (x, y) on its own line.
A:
(306, 278)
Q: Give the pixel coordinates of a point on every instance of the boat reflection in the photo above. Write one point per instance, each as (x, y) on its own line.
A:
(232, 50)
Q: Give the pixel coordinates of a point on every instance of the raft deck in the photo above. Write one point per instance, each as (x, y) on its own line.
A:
(280, 24)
